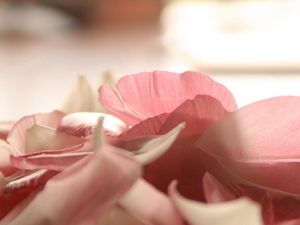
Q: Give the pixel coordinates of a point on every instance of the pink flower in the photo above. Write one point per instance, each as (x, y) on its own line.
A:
(258, 149)
(196, 149)
(154, 103)
(49, 164)
(249, 152)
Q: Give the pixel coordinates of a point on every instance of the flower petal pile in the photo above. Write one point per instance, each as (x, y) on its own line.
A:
(174, 150)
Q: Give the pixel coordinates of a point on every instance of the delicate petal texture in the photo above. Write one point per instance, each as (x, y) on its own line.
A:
(183, 163)
(116, 215)
(40, 138)
(237, 212)
(215, 191)
(82, 124)
(260, 143)
(17, 136)
(18, 188)
(81, 99)
(149, 205)
(140, 96)
(147, 127)
(156, 147)
(82, 193)
(276, 208)
(198, 114)
(51, 161)
(5, 165)
(5, 128)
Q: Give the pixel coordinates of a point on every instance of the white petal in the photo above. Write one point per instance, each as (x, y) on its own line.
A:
(78, 122)
(149, 205)
(156, 147)
(237, 212)
(81, 99)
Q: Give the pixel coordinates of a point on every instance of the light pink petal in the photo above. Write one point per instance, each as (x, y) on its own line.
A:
(17, 136)
(260, 143)
(6, 167)
(140, 96)
(198, 114)
(236, 212)
(118, 214)
(82, 124)
(84, 192)
(215, 191)
(82, 98)
(51, 161)
(40, 138)
(149, 205)
(157, 146)
(5, 127)
(148, 127)
(18, 187)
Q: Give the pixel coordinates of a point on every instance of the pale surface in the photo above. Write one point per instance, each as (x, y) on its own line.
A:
(38, 71)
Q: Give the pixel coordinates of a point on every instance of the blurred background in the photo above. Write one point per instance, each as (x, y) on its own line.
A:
(251, 46)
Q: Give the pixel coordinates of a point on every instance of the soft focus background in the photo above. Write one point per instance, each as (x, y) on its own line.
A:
(251, 46)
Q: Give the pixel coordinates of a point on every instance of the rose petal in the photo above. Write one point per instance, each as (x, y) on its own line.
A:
(140, 96)
(17, 136)
(60, 159)
(237, 212)
(260, 143)
(215, 191)
(5, 166)
(81, 99)
(156, 147)
(49, 161)
(82, 124)
(83, 192)
(276, 208)
(18, 187)
(148, 127)
(198, 114)
(149, 205)
(40, 138)
(118, 214)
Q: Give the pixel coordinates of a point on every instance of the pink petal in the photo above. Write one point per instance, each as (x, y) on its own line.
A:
(215, 191)
(118, 214)
(40, 138)
(149, 205)
(276, 208)
(181, 162)
(51, 161)
(5, 127)
(148, 127)
(156, 147)
(198, 114)
(17, 136)
(5, 165)
(19, 187)
(237, 212)
(82, 124)
(84, 192)
(260, 144)
(140, 96)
